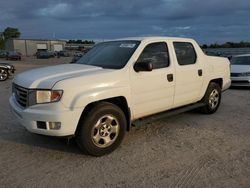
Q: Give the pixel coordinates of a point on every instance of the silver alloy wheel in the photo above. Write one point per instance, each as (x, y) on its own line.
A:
(105, 131)
(3, 74)
(214, 99)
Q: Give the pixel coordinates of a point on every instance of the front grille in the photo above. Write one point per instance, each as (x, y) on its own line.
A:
(240, 81)
(21, 95)
(235, 74)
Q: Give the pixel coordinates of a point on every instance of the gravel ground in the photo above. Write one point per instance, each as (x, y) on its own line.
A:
(186, 150)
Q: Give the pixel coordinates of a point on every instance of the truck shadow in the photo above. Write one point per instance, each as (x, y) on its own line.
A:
(43, 142)
(20, 136)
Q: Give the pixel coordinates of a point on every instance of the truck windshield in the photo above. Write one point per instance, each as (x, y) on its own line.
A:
(110, 55)
(243, 60)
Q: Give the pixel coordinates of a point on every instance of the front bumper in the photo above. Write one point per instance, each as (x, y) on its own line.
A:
(54, 112)
(240, 81)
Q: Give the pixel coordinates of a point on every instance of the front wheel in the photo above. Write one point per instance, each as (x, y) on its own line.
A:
(211, 99)
(102, 129)
(3, 74)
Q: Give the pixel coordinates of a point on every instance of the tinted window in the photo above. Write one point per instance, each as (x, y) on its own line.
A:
(112, 55)
(157, 53)
(185, 53)
(240, 60)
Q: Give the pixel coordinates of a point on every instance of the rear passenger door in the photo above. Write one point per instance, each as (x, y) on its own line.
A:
(189, 74)
(153, 91)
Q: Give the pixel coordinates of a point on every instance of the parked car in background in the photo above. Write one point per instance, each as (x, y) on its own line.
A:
(52, 53)
(240, 70)
(44, 54)
(77, 56)
(3, 54)
(6, 70)
(13, 55)
(63, 53)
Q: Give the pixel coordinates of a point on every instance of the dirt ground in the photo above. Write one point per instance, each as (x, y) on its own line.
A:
(186, 150)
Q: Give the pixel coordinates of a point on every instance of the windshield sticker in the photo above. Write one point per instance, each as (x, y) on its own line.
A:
(127, 45)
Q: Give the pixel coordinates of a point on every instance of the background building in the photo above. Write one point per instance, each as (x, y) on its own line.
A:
(29, 47)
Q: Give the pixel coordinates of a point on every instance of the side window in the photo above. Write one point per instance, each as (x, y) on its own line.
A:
(185, 53)
(157, 53)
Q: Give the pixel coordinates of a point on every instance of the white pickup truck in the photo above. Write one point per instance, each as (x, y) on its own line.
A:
(117, 82)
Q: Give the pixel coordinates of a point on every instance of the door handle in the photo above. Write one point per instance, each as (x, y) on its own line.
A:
(200, 72)
(170, 77)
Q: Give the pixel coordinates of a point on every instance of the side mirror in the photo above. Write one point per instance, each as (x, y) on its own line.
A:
(143, 66)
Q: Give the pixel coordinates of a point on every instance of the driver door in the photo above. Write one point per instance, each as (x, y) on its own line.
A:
(153, 91)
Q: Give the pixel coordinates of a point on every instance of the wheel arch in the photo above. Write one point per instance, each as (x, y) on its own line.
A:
(218, 81)
(119, 101)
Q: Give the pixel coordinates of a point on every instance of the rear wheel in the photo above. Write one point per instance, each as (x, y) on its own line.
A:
(211, 99)
(3, 74)
(102, 129)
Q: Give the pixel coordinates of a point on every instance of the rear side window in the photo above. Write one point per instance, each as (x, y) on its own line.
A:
(185, 53)
(157, 53)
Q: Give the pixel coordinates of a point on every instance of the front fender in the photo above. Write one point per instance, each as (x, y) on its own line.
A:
(82, 99)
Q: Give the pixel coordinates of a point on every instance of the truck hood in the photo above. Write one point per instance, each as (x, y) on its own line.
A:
(240, 68)
(46, 78)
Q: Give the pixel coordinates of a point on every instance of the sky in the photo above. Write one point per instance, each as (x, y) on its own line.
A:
(207, 21)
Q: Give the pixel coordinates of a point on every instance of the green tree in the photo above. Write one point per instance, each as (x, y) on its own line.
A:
(1, 44)
(10, 33)
(241, 44)
(1, 41)
(204, 46)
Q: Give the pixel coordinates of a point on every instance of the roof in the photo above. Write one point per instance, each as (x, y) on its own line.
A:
(154, 38)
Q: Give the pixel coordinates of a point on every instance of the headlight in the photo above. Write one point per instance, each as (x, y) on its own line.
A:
(44, 96)
(48, 96)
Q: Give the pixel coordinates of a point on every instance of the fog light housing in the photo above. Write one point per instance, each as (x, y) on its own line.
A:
(54, 125)
(41, 125)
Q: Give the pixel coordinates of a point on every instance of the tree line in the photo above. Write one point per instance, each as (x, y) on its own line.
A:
(241, 44)
(80, 42)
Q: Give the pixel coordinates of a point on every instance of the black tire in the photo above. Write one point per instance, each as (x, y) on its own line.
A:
(211, 99)
(4, 75)
(96, 127)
